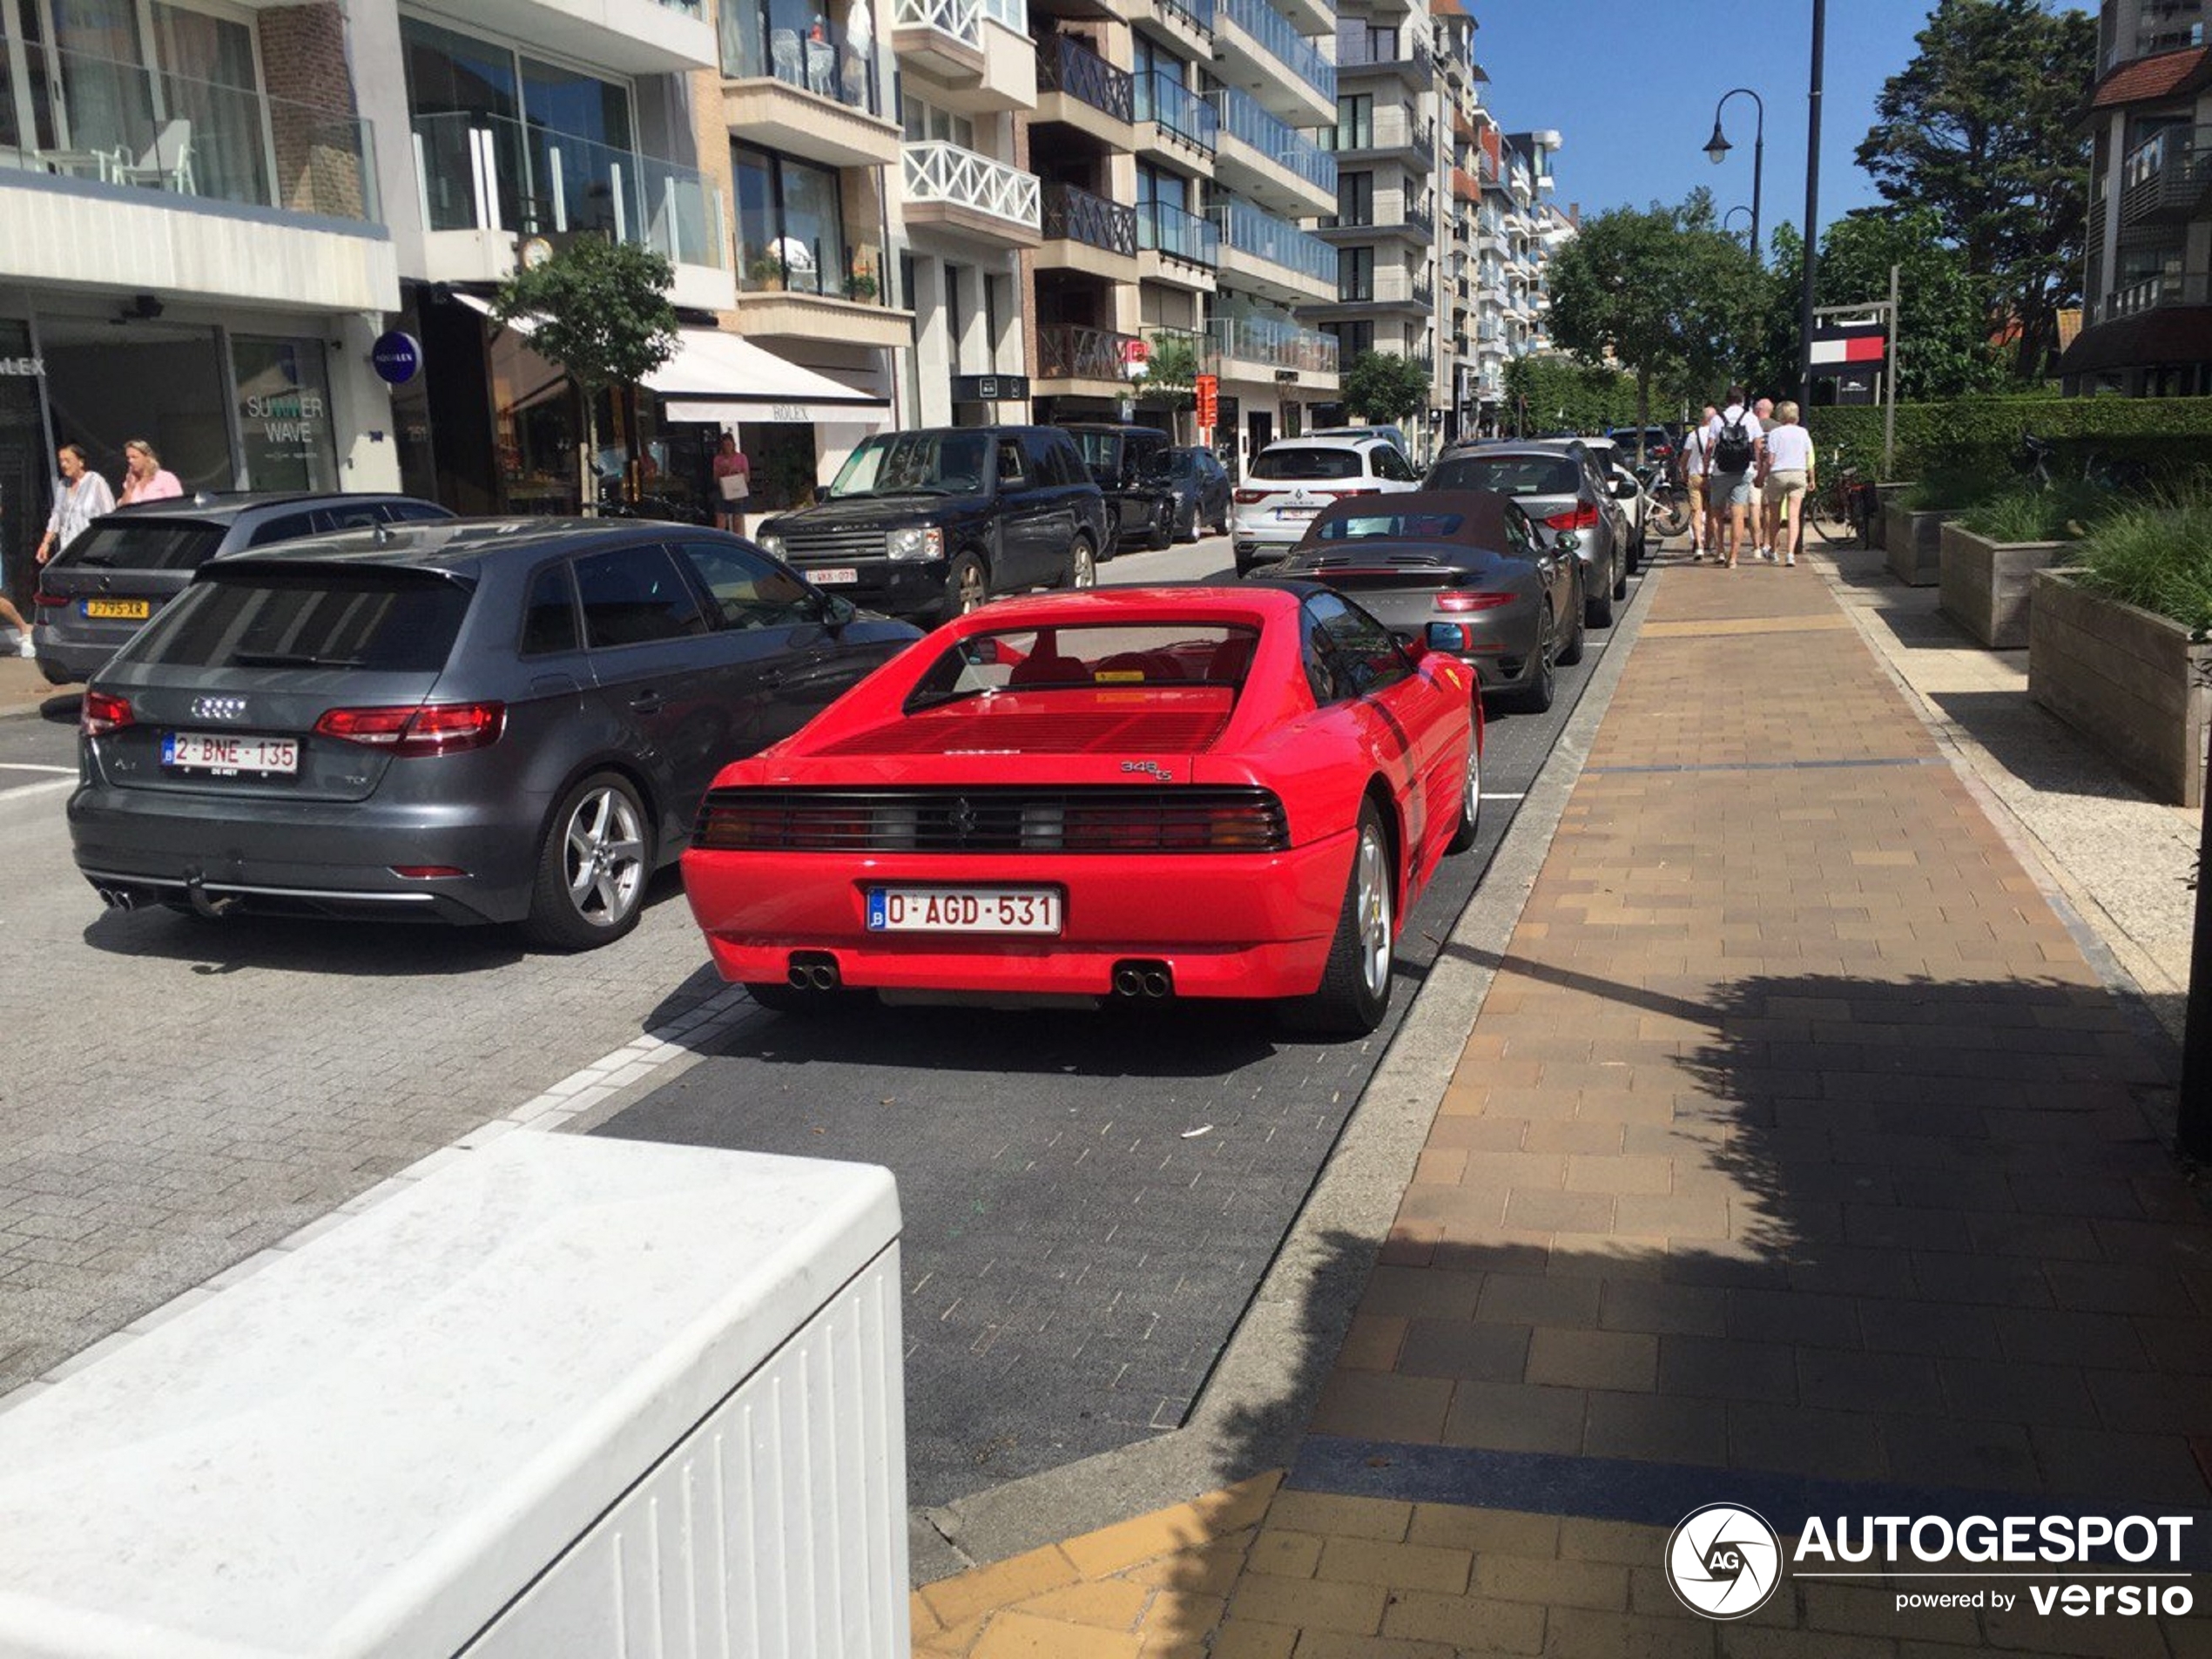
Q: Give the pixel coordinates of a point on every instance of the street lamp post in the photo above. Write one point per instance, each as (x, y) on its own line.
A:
(1729, 218)
(1812, 205)
(1717, 147)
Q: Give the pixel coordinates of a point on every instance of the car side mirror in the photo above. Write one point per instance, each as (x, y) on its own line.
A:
(821, 492)
(838, 610)
(1626, 490)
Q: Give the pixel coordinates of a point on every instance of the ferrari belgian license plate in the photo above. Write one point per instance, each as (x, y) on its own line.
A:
(963, 910)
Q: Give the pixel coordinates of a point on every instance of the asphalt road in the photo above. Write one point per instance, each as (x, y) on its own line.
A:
(1089, 1199)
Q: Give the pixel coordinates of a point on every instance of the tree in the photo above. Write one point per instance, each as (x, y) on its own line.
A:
(1663, 293)
(1171, 373)
(1554, 390)
(1943, 333)
(1979, 127)
(1385, 387)
(599, 311)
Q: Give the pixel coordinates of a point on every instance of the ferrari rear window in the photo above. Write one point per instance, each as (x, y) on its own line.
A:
(1116, 656)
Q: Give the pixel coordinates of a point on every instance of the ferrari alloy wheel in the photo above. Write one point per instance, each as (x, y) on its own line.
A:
(1083, 565)
(592, 868)
(967, 584)
(1470, 796)
(1355, 985)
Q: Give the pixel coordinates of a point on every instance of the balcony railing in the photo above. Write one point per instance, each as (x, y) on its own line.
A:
(1193, 14)
(1391, 286)
(1243, 118)
(1065, 64)
(1358, 46)
(1076, 215)
(827, 58)
(1274, 343)
(2168, 172)
(491, 172)
(1071, 351)
(1166, 101)
(937, 171)
(1424, 291)
(122, 124)
(1387, 130)
(1422, 215)
(1163, 228)
(962, 19)
(1259, 235)
(1273, 32)
(2150, 294)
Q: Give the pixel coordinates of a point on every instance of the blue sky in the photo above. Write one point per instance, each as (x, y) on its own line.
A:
(1631, 86)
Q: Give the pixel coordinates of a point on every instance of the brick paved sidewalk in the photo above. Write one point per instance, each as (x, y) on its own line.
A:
(1798, 1159)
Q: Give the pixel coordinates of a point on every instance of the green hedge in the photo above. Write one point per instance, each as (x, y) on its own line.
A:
(1983, 433)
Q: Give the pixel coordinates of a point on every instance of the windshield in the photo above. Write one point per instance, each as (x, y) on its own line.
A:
(915, 464)
(1311, 463)
(1110, 657)
(144, 544)
(1509, 474)
(1171, 463)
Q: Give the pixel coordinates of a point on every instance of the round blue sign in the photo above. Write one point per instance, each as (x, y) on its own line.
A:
(396, 357)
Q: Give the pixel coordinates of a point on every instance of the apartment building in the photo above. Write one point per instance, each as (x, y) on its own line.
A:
(2147, 286)
(191, 250)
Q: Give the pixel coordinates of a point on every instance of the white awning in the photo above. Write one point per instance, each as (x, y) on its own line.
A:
(724, 378)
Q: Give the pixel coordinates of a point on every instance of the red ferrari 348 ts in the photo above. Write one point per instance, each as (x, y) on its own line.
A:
(1129, 793)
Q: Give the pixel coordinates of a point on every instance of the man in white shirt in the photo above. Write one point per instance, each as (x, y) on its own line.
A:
(1732, 455)
(1694, 443)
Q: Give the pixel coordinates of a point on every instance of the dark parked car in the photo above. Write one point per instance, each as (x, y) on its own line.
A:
(1125, 460)
(101, 589)
(1560, 485)
(1201, 489)
(933, 522)
(478, 720)
(1462, 571)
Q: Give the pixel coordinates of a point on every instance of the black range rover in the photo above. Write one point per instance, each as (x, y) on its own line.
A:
(933, 522)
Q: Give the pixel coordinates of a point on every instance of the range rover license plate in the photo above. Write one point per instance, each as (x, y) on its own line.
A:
(837, 576)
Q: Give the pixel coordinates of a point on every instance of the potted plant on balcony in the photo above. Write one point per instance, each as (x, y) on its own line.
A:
(860, 284)
(2118, 642)
(765, 272)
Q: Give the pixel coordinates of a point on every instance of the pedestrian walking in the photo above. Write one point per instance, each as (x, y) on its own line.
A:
(80, 496)
(1789, 479)
(1696, 454)
(1761, 512)
(13, 617)
(144, 478)
(1734, 453)
(733, 484)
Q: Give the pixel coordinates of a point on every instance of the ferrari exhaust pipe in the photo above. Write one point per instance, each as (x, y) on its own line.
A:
(1143, 979)
(813, 970)
(824, 979)
(800, 980)
(1129, 981)
(1157, 982)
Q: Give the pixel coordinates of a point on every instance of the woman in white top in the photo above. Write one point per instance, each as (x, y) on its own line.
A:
(1695, 448)
(81, 497)
(1789, 476)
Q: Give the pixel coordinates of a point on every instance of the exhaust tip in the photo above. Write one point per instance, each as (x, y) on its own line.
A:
(1155, 982)
(813, 970)
(824, 979)
(798, 977)
(1144, 979)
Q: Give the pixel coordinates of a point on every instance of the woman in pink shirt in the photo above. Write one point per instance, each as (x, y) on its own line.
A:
(144, 476)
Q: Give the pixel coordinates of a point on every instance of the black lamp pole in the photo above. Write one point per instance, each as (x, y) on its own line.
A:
(1812, 205)
(1717, 147)
(1729, 216)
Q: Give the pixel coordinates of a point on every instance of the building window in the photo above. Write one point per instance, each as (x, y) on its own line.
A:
(791, 223)
(1356, 122)
(1355, 273)
(926, 123)
(826, 47)
(1355, 198)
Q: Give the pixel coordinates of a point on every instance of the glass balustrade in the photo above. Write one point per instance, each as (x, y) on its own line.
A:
(116, 123)
(1164, 100)
(1243, 118)
(490, 172)
(1162, 228)
(1252, 230)
(800, 44)
(1274, 34)
(1274, 343)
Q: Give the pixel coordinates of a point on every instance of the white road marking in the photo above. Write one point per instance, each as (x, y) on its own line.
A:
(27, 766)
(1487, 795)
(53, 787)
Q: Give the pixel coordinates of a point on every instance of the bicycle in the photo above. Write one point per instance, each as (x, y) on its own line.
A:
(1843, 507)
(2034, 458)
(1667, 515)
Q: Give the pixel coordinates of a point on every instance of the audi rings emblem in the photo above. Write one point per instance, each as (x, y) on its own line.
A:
(219, 708)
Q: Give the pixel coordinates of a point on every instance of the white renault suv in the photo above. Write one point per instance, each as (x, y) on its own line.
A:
(1294, 478)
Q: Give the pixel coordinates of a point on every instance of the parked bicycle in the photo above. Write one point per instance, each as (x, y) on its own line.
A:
(1667, 512)
(1843, 507)
(2037, 458)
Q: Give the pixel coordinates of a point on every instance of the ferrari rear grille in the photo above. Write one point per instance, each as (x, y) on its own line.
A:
(800, 545)
(1140, 818)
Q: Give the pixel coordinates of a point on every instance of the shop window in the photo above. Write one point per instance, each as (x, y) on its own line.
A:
(164, 381)
(284, 414)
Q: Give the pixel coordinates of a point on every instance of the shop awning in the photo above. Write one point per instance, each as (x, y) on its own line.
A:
(719, 377)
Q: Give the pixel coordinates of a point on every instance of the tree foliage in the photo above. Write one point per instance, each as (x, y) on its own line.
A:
(1170, 374)
(1979, 128)
(1663, 293)
(1384, 387)
(1555, 392)
(1943, 335)
(599, 308)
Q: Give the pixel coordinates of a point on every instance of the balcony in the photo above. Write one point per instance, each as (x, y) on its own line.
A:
(485, 181)
(959, 190)
(224, 192)
(633, 37)
(1088, 233)
(1372, 224)
(976, 54)
(1256, 50)
(1363, 54)
(815, 97)
(1187, 26)
(1176, 246)
(1263, 156)
(1392, 288)
(1389, 134)
(1259, 348)
(2167, 178)
(1276, 258)
(2155, 293)
(1183, 124)
(1081, 359)
(798, 290)
(1076, 86)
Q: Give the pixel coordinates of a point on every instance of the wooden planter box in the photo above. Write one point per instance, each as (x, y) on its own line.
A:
(1986, 584)
(1914, 544)
(1878, 526)
(2127, 680)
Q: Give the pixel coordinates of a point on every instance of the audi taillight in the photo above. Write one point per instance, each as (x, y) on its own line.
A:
(417, 728)
(102, 713)
(1582, 516)
(1454, 601)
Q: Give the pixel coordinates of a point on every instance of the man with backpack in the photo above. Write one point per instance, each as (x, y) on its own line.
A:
(1733, 453)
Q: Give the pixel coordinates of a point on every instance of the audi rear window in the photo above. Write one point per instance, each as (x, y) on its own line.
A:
(144, 544)
(381, 622)
(1308, 463)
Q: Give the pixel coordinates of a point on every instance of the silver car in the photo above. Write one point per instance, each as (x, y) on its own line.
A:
(1558, 483)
